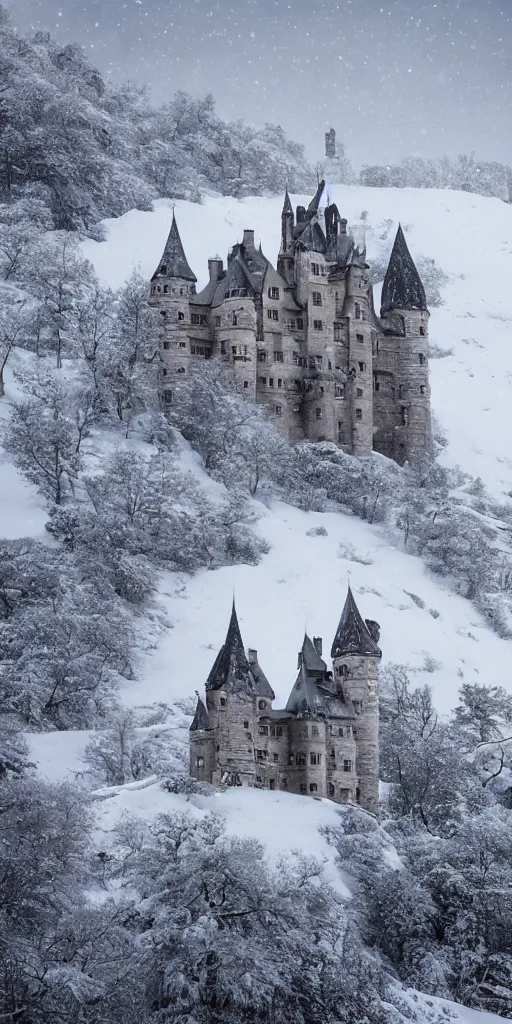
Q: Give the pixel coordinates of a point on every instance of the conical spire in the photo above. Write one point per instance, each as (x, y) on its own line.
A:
(403, 288)
(201, 720)
(231, 670)
(353, 635)
(174, 262)
(287, 206)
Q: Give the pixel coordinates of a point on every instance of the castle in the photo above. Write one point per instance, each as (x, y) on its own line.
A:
(325, 742)
(305, 338)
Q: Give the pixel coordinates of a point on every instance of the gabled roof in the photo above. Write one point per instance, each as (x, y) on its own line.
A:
(310, 657)
(306, 697)
(231, 670)
(353, 635)
(201, 720)
(312, 237)
(261, 683)
(174, 262)
(402, 288)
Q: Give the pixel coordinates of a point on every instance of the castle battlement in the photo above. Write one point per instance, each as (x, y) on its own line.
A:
(323, 743)
(305, 338)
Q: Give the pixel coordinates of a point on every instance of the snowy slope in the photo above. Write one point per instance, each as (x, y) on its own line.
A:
(468, 236)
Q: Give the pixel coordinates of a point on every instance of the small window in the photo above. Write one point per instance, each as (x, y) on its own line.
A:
(271, 783)
(279, 730)
(275, 314)
(303, 787)
(279, 382)
(218, 321)
(271, 382)
(423, 389)
(422, 359)
(167, 345)
(300, 760)
(359, 414)
(315, 269)
(347, 765)
(403, 415)
(357, 311)
(317, 298)
(163, 268)
(262, 380)
(422, 332)
(269, 314)
(246, 725)
(262, 356)
(377, 385)
(246, 384)
(276, 757)
(291, 758)
(362, 367)
(359, 392)
(233, 350)
(223, 348)
(166, 289)
(223, 702)
(314, 730)
(278, 410)
(278, 357)
(318, 325)
(263, 730)
(284, 784)
(340, 732)
(194, 318)
(313, 788)
(300, 324)
(181, 316)
(318, 414)
(262, 704)
(183, 344)
(304, 732)
(199, 762)
(339, 391)
(168, 397)
(234, 320)
(314, 758)
(331, 789)
(359, 337)
(273, 293)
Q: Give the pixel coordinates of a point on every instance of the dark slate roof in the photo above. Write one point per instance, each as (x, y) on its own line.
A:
(231, 670)
(201, 718)
(313, 695)
(287, 206)
(310, 657)
(261, 683)
(353, 635)
(315, 202)
(402, 288)
(173, 257)
(311, 238)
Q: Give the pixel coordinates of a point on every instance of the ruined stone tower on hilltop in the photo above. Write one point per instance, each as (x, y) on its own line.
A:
(305, 338)
(324, 743)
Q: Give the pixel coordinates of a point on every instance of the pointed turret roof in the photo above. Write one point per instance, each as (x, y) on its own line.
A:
(201, 720)
(287, 206)
(315, 202)
(231, 670)
(353, 635)
(402, 288)
(174, 262)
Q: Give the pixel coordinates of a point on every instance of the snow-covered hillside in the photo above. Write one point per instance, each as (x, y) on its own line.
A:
(301, 583)
(468, 236)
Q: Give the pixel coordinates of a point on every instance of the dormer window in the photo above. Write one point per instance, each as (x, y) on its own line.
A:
(163, 268)
(223, 702)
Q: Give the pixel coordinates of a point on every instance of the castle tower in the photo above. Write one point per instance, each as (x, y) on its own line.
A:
(202, 750)
(285, 260)
(231, 702)
(404, 300)
(172, 286)
(355, 656)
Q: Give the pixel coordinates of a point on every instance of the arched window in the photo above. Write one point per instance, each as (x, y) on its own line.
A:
(163, 268)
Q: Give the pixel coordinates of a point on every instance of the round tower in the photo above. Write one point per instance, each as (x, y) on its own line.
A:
(404, 306)
(172, 286)
(355, 657)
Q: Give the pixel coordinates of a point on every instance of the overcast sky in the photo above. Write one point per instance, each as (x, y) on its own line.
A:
(395, 77)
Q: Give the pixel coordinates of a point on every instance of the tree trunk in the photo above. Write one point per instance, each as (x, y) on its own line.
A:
(2, 388)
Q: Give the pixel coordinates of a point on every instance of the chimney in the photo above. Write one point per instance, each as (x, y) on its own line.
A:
(252, 656)
(317, 640)
(343, 225)
(248, 239)
(215, 267)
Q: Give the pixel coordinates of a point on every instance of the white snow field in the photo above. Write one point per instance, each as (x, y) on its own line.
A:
(301, 583)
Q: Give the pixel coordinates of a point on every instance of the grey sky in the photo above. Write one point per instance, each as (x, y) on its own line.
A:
(395, 77)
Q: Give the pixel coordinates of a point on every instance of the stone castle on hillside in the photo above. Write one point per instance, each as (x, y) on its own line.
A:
(305, 338)
(324, 743)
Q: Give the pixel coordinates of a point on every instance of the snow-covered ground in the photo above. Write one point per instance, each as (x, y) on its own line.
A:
(301, 583)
